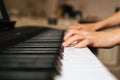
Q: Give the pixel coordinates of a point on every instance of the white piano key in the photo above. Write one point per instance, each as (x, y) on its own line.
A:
(82, 64)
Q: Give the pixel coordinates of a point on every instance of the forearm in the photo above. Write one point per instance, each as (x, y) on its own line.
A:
(116, 37)
(114, 20)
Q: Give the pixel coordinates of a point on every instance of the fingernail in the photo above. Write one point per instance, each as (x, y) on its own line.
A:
(63, 44)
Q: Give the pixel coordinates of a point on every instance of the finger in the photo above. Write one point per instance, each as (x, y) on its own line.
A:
(82, 44)
(72, 39)
(70, 33)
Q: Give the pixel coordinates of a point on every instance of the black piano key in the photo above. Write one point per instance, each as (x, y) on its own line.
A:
(50, 32)
(43, 40)
(38, 50)
(53, 31)
(46, 38)
(30, 62)
(57, 41)
(52, 35)
(38, 45)
(46, 62)
(49, 35)
(42, 51)
(31, 51)
(26, 75)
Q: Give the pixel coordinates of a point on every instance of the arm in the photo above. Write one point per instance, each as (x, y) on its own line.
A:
(108, 22)
(114, 20)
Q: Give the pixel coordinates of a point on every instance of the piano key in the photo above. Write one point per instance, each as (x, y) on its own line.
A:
(81, 64)
(43, 40)
(33, 49)
(38, 45)
(46, 62)
(58, 41)
(30, 64)
(30, 51)
(40, 38)
(54, 36)
(26, 75)
(51, 32)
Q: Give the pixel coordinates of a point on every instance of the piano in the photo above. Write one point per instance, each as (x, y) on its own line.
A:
(34, 53)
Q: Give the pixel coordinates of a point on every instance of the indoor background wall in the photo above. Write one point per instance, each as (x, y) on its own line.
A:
(97, 8)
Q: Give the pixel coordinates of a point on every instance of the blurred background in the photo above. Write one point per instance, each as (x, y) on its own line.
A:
(67, 12)
(46, 8)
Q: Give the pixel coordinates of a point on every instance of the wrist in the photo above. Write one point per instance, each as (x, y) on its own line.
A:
(99, 25)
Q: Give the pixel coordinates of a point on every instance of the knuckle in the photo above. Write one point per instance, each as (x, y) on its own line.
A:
(74, 31)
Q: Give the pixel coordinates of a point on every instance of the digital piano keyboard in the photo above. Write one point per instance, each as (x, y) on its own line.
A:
(34, 53)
